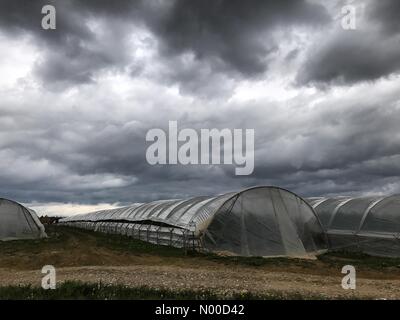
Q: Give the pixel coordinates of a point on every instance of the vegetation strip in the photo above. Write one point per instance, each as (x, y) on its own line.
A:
(91, 291)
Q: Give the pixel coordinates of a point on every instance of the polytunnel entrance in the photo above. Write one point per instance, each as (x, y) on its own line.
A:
(265, 221)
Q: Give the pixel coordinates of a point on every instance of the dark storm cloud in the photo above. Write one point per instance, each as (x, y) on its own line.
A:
(91, 148)
(348, 149)
(368, 53)
(72, 53)
(386, 14)
(352, 57)
(236, 33)
(228, 37)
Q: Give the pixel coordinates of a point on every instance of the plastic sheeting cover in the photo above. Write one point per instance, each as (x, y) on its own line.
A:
(18, 222)
(266, 222)
(259, 221)
(365, 224)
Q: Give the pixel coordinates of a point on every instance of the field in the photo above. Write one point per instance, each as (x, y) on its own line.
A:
(99, 266)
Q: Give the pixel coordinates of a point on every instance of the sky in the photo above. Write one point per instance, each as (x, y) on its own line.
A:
(76, 102)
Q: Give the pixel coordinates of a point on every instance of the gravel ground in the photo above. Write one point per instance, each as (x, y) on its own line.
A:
(220, 280)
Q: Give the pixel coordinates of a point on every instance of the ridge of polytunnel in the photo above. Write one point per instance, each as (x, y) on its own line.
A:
(91, 216)
(155, 219)
(15, 202)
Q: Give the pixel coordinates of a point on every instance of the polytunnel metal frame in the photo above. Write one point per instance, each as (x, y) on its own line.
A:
(176, 222)
(378, 242)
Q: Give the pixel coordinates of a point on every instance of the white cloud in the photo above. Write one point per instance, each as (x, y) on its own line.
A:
(67, 209)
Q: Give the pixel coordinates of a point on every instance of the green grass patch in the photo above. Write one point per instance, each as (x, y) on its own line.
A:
(337, 258)
(56, 239)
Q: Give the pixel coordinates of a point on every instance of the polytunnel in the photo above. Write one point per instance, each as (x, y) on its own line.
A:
(18, 222)
(366, 224)
(259, 221)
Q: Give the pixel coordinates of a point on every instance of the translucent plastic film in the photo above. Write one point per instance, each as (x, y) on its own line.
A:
(18, 222)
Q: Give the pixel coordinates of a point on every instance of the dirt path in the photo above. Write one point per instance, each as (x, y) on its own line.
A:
(219, 280)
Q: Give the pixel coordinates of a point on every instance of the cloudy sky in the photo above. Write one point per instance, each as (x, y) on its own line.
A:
(76, 102)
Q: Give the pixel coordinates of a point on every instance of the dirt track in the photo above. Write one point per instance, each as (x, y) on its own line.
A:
(220, 280)
(89, 257)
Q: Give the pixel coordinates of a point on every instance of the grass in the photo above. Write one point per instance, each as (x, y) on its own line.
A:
(73, 290)
(333, 259)
(58, 237)
(130, 245)
(359, 259)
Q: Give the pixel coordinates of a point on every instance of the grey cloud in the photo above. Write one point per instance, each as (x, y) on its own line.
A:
(77, 62)
(91, 148)
(196, 78)
(233, 35)
(350, 148)
(386, 14)
(228, 37)
(73, 53)
(230, 41)
(349, 56)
